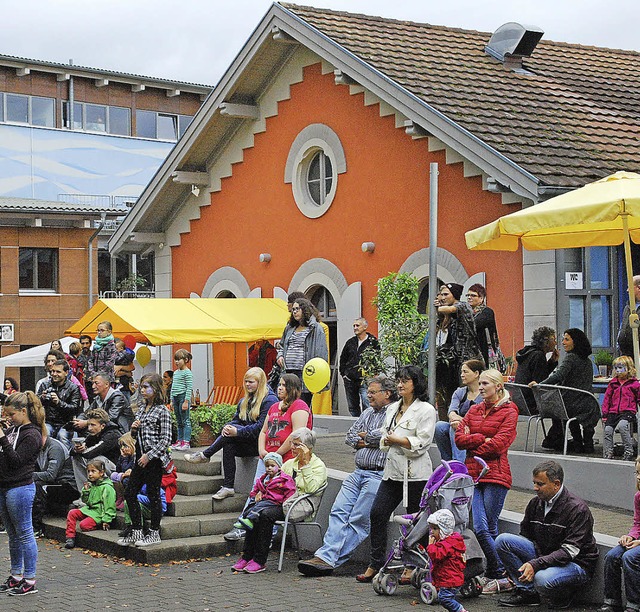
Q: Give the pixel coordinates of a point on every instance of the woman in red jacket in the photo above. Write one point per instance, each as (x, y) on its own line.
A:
(487, 431)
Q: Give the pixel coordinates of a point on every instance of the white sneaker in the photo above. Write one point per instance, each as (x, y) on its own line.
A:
(223, 493)
(198, 457)
(153, 537)
(132, 538)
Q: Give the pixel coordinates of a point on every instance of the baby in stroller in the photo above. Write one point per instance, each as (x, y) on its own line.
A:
(449, 487)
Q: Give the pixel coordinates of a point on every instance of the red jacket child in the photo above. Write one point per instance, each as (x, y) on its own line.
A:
(446, 550)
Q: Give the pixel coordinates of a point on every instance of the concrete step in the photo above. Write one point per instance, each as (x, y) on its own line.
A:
(213, 468)
(192, 505)
(194, 484)
(168, 550)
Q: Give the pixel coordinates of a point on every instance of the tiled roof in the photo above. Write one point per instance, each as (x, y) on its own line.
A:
(575, 118)
(8, 204)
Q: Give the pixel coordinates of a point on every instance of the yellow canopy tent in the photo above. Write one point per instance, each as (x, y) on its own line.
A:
(160, 321)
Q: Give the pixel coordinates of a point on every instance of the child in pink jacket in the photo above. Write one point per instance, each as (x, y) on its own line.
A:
(273, 488)
(620, 406)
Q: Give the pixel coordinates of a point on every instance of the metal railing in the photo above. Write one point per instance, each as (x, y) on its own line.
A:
(107, 295)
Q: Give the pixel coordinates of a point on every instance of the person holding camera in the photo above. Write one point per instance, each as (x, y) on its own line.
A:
(61, 401)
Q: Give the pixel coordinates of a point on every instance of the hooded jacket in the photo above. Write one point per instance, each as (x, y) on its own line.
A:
(448, 558)
(105, 443)
(277, 489)
(19, 448)
(100, 500)
(621, 396)
(498, 423)
(533, 365)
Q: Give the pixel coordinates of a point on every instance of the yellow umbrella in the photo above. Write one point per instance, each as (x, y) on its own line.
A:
(603, 213)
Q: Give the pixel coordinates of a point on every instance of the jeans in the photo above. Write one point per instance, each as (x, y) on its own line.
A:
(183, 417)
(258, 540)
(618, 562)
(349, 519)
(232, 447)
(60, 433)
(151, 475)
(15, 509)
(259, 472)
(552, 582)
(389, 495)
(488, 500)
(356, 394)
(447, 599)
(445, 440)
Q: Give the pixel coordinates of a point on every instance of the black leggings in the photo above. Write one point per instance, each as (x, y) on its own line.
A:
(258, 539)
(232, 447)
(389, 495)
(151, 475)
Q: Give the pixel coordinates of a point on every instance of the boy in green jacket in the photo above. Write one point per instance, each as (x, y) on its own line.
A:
(99, 498)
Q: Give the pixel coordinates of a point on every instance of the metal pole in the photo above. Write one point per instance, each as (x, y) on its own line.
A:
(433, 277)
(103, 219)
(633, 317)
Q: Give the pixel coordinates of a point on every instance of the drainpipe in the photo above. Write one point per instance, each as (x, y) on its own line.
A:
(103, 219)
(71, 98)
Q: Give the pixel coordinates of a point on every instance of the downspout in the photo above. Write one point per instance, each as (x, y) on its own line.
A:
(103, 220)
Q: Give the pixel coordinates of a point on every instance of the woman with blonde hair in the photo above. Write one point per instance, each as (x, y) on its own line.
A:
(239, 438)
(23, 420)
(487, 431)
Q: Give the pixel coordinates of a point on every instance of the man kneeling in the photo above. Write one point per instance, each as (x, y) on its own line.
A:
(555, 552)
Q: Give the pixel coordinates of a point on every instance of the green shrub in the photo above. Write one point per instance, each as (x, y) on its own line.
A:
(216, 416)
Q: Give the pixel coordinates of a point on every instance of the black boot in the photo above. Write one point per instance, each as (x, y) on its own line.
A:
(578, 442)
(587, 438)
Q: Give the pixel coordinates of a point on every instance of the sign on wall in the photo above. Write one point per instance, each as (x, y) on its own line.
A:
(6, 332)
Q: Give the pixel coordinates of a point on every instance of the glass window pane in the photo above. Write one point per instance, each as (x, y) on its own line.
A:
(314, 168)
(183, 123)
(119, 121)
(46, 268)
(601, 321)
(167, 127)
(599, 267)
(95, 118)
(576, 311)
(17, 108)
(1, 107)
(314, 191)
(146, 124)
(78, 119)
(26, 269)
(43, 112)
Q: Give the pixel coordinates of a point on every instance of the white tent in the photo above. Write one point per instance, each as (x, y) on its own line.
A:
(34, 358)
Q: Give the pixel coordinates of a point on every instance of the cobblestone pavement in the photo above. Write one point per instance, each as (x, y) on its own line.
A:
(75, 581)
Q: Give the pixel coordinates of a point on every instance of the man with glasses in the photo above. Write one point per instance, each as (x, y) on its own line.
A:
(350, 368)
(349, 519)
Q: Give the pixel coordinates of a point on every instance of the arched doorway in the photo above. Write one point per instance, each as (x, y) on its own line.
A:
(423, 295)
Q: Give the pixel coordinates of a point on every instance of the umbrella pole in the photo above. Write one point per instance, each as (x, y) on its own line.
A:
(632, 298)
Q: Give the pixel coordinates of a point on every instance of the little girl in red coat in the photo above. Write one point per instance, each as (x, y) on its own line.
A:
(447, 553)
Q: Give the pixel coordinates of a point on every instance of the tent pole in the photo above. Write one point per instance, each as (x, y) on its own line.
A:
(433, 279)
(633, 317)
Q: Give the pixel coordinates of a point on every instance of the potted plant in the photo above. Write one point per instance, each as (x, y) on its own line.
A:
(207, 422)
(603, 360)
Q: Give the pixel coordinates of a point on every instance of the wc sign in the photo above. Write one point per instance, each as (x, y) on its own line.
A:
(573, 280)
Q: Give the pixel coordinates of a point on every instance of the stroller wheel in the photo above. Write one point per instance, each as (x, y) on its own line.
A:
(389, 584)
(428, 593)
(377, 587)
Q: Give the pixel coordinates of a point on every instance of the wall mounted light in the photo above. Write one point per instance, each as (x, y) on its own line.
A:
(195, 190)
(368, 247)
(265, 257)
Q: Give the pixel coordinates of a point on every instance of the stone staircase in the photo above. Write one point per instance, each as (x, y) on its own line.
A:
(191, 528)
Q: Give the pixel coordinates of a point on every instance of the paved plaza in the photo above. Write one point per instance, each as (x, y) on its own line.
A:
(75, 581)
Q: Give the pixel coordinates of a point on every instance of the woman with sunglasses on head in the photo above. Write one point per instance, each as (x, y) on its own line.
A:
(152, 433)
(303, 339)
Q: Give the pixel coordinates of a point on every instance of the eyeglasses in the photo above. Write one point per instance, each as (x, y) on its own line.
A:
(296, 309)
(374, 392)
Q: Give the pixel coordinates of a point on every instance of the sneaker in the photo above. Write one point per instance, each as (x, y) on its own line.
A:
(239, 565)
(177, 445)
(254, 568)
(234, 535)
(185, 446)
(497, 585)
(9, 583)
(135, 536)
(198, 457)
(38, 533)
(247, 523)
(629, 456)
(24, 588)
(153, 537)
(70, 543)
(315, 567)
(223, 493)
(519, 598)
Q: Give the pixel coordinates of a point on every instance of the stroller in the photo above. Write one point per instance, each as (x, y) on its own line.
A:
(451, 487)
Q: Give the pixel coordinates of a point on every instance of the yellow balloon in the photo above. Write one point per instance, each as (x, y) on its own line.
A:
(316, 374)
(143, 355)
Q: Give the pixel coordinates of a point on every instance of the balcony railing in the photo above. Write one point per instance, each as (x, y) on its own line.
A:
(108, 295)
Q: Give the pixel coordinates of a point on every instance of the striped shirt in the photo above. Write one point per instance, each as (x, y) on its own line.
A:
(370, 457)
(182, 383)
(295, 351)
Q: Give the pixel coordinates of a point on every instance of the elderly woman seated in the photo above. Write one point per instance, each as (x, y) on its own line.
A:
(310, 475)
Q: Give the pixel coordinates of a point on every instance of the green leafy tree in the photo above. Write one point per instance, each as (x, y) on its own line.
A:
(402, 328)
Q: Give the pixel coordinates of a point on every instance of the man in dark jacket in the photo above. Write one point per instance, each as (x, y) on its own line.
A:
(61, 401)
(533, 364)
(555, 552)
(112, 401)
(350, 366)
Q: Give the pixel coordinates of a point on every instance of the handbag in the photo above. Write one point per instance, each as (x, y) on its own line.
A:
(274, 377)
(496, 358)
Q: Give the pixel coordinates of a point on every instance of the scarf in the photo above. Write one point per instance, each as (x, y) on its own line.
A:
(102, 342)
(479, 308)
